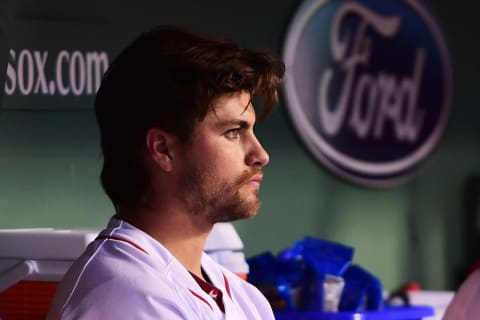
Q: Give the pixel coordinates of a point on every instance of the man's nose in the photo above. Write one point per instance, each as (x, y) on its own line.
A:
(257, 156)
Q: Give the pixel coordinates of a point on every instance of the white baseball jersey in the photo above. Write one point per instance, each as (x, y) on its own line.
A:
(126, 274)
(466, 302)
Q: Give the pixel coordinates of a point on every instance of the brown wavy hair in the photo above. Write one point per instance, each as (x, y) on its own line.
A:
(169, 78)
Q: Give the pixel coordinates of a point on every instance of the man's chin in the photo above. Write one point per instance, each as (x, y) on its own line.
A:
(245, 211)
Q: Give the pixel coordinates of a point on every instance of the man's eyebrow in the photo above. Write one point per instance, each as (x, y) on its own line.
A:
(235, 122)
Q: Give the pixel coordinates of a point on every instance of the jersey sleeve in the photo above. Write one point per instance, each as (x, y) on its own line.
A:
(466, 302)
(109, 301)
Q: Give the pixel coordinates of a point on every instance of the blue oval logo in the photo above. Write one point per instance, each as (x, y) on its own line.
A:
(368, 86)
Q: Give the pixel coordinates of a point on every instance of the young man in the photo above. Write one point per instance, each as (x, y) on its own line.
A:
(176, 123)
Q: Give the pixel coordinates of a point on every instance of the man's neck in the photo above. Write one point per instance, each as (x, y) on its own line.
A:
(183, 234)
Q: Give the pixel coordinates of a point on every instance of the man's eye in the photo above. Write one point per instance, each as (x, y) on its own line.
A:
(232, 134)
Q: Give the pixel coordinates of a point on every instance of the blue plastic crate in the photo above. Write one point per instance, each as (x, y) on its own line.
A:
(411, 313)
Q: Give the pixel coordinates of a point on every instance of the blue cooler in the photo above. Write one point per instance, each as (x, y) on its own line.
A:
(397, 313)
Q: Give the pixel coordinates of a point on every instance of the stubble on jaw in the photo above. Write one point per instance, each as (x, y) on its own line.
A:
(217, 200)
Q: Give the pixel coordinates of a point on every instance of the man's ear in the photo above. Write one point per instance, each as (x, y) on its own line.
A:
(160, 145)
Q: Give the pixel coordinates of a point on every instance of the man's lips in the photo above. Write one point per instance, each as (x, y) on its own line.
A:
(256, 180)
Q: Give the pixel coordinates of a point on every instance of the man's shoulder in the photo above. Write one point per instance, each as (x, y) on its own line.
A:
(107, 276)
(117, 297)
(116, 262)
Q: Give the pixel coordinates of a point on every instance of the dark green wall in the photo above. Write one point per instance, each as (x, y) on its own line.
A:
(50, 159)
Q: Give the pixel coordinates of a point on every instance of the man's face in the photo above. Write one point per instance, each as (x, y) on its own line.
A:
(223, 165)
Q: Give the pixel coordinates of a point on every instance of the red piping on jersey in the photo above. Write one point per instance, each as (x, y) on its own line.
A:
(200, 297)
(133, 244)
(227, 286)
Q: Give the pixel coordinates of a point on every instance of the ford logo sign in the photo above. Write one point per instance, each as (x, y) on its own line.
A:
(368, 86)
